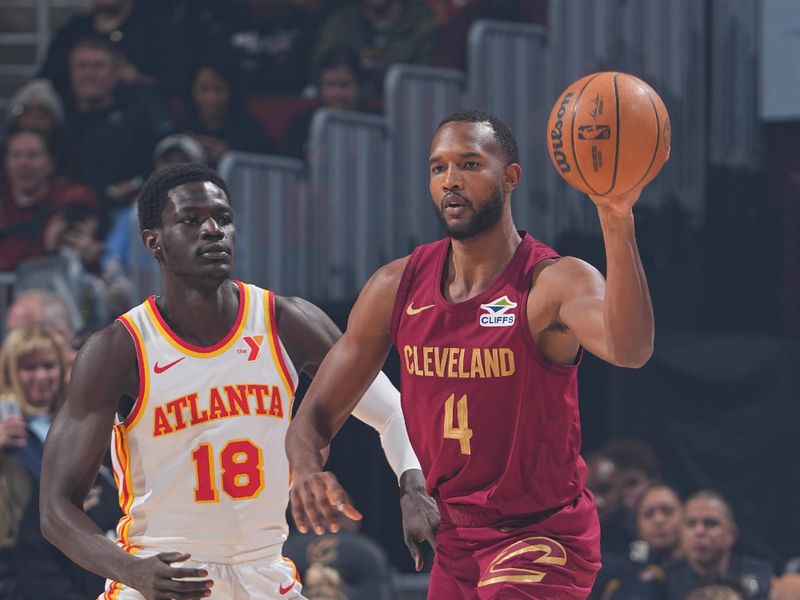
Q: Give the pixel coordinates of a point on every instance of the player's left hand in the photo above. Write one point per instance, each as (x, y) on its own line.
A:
(420, 515)
(623, 203)
(317, 500)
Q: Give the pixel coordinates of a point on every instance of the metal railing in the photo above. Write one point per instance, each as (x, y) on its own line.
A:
(321, 232)
(270, 199)
(417, 99)
(350, 198)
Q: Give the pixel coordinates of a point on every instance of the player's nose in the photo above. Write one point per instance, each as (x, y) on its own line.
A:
(452, 179)
(211, 229)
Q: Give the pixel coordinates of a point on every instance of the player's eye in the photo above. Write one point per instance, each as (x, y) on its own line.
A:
(437, 169)
(470, 164)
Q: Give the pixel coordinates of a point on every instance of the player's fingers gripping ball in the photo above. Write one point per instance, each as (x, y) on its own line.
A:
(608, 134)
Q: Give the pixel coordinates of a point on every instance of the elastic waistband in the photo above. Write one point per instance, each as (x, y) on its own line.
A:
(465, 515)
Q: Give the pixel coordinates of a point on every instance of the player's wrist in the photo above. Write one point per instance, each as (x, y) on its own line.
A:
(412, 481)
(615, 218)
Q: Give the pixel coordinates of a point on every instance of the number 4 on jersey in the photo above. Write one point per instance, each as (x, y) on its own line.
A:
(462, 432)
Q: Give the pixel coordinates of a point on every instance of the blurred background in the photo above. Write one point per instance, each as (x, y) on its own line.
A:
(319, 113)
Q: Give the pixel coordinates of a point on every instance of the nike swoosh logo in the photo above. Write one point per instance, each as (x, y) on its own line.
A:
(285, 590)
(158, 369)
(411, 311)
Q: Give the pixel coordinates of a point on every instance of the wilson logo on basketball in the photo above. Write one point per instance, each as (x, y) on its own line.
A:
(498, 313)
(557, 138)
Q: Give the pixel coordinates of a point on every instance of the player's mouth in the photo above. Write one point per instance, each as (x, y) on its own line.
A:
(216, 252)
(454, 205)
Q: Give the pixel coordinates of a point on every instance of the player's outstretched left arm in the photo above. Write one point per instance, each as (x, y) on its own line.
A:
(309, 334)
(613, 319)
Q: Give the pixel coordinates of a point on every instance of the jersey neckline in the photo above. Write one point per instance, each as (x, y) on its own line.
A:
(202, 351)
(490, 290)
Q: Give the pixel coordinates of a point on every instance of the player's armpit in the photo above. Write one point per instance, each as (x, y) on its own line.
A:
(306, 331)
(612, 320)
(565, 310)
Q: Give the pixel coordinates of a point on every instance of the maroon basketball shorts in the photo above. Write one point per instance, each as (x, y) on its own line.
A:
(556, 557)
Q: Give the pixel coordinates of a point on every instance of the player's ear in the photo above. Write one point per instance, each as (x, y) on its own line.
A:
(511, 176)
(151, 238)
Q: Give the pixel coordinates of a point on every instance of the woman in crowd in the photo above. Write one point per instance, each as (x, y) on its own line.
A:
(339, 88)
(217, 118)
(33, 373)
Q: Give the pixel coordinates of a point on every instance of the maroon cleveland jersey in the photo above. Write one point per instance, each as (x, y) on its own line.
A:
(494, 424)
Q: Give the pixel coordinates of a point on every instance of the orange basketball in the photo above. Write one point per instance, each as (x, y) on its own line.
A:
(608, 134)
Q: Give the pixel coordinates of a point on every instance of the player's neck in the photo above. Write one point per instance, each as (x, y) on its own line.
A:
(475, 263)
(200, 315)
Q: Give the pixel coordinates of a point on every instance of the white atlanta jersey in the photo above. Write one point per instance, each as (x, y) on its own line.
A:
(200, 461)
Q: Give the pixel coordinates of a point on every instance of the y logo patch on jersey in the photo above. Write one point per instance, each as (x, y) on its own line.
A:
(498, 313)
(254, 344)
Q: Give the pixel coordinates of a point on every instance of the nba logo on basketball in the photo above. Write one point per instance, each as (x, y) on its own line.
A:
(498, 313)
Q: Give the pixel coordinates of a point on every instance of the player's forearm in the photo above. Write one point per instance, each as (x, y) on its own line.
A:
(309, 437)
(380, 409)
(627, 311)
(71, 530)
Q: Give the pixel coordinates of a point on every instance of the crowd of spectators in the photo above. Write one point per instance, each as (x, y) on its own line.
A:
(656, 546)
(134, 85)
(226, 75)
(124, 89)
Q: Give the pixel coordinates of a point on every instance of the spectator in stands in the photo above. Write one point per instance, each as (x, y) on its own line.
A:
(640, 573)
(217, 117)
(37, 106)
(455, 17)
(600, 479)
(43, 307)
(41, 568)
(148, 49)
(33, 367)
(323, 583)
(33, 363)
(339, 88)
(360, 562)
(708, 534)
(40, 213)
(15, 491)
(269, 43)
(110, 136)
(384, 32)
(659, 515)
(637, 466)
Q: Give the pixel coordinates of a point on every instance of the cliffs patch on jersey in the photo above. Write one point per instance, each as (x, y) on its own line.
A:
(499, 313)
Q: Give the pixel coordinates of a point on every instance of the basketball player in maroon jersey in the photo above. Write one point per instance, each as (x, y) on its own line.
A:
(490, 325)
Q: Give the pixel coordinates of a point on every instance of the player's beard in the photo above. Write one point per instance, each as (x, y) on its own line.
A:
(484, 218)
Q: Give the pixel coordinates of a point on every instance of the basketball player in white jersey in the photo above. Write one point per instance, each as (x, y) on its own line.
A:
(197, 387)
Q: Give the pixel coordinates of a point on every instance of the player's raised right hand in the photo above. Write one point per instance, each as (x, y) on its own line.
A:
(317, 500)
(156, 579)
